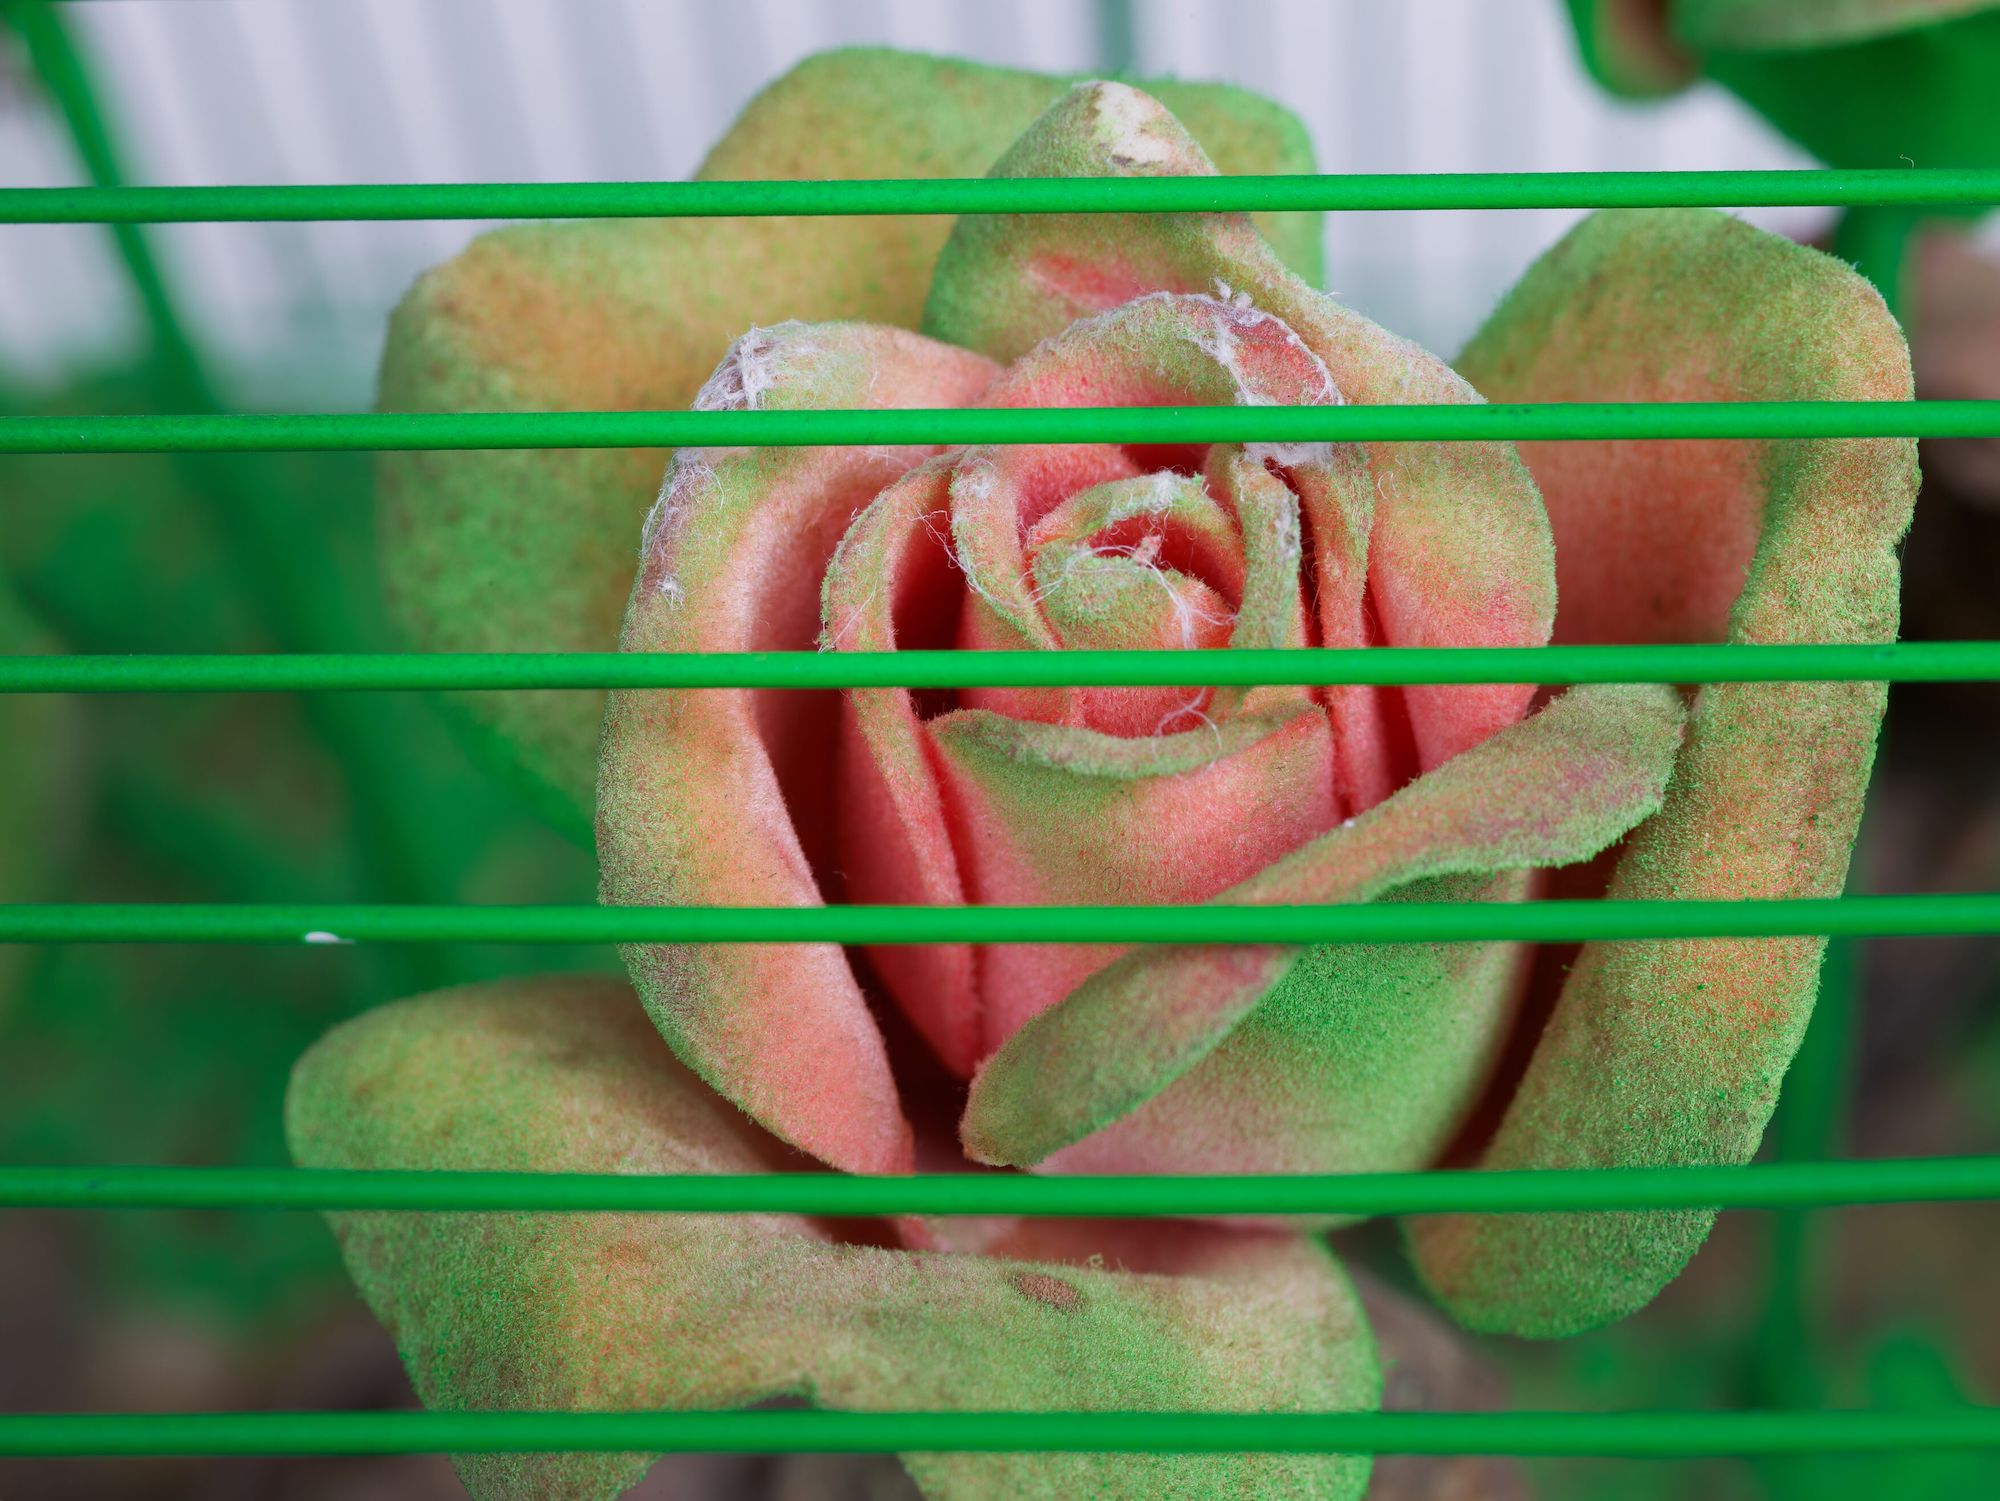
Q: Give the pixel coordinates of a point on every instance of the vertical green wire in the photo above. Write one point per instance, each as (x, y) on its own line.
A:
(1791, 1350)
(301, 607)
(61, 68)
(1117, 38)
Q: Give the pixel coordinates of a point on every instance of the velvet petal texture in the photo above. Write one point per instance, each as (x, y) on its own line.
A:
(531, 550)
(1402, 544)
(1665, 1053)
(1005, 795)
(1455, 543)
(640, 1311)
(709, 795)
(1086, 795)
(1366, 1057)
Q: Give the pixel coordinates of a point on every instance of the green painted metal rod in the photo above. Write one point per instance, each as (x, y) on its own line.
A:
(1777, 1185)
(985, 195)
(1905, 662)
(1546, 421)
(1628, 1435)
(1928, 915)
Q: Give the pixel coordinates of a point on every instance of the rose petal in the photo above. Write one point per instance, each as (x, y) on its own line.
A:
(895, 846)
(1271, 610)
(993, 493)
(1362, 1058)
(1054, 814)
(1158, 349)
(1458, 550)
(532, 550)
(1344, 1057)
(705, 794)
(631, 1312)
(1671, 1052)
(1105, 574)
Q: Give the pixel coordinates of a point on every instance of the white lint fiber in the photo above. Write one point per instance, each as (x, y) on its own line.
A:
(1235, 315)
(747, 371)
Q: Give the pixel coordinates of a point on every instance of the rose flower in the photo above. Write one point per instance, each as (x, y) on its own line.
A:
(1160, 1058)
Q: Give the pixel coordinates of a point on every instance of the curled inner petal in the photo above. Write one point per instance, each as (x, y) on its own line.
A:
(1165, 794)
(1146, 563)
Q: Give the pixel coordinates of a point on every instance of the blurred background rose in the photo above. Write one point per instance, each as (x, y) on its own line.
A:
(180, 1055)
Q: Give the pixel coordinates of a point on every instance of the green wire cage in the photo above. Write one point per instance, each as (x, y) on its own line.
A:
(362, 702)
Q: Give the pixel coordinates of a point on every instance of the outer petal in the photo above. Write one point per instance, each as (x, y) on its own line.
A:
(1050, 814)
(610, 1311)
(1458, 552)
(707, 796)
(531, 550)
(1672, 1052)
(1357, 1056)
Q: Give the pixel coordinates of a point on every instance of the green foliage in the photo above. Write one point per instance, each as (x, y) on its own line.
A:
(132, 1054)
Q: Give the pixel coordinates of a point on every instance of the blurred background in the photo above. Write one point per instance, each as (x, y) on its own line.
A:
(249, 91)
(167, 1055)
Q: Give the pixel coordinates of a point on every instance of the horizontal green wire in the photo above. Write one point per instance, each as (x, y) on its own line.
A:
(1627, 1435)
(1906, 662)
(985, 195)
(1776, 1185)
(867, 427)
(1927, 915)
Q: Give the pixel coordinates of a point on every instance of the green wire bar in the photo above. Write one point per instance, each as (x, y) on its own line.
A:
(1904, 662)
(1788, 1185)
(1926, 915)
(309, 432)
(1773, 1185)
(1814, 188)
(1626, 1435)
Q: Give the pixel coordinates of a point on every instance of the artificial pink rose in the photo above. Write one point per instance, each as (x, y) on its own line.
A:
(637, 1311)
(1167, 1057)
(1222, 1059)
(1215, 1058)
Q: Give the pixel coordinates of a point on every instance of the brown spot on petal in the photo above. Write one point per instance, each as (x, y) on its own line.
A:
(1043, 1288)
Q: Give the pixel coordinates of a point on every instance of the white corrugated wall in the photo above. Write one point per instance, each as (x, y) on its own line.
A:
(383, 90)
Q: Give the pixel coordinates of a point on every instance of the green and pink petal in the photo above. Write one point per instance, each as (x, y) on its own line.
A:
(1212, 1058)
(531, 550)
(723, 797)
(1671, 1052)
(631, 1312)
